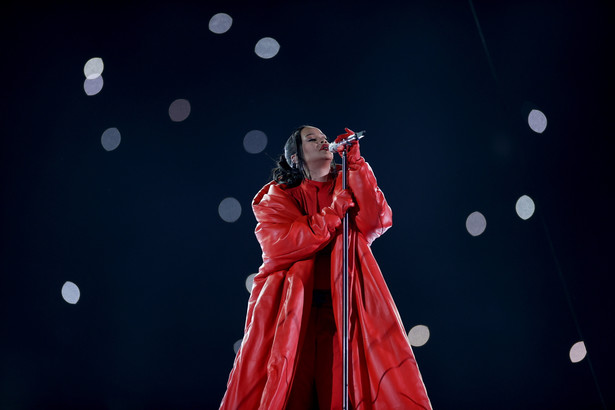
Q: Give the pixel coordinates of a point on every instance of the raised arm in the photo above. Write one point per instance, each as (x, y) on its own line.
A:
(372, 215)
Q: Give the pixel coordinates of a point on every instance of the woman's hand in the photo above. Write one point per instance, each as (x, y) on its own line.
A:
(353, 154)
(341, 202)
(334, 213)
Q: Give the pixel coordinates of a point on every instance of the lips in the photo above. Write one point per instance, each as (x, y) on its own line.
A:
(325, 147)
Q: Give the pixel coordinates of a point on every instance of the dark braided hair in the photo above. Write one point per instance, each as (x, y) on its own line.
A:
(288, 173)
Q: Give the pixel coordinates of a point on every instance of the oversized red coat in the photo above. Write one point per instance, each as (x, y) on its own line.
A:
(383, 373)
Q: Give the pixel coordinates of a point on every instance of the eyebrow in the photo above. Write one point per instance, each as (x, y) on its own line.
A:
(313, 133)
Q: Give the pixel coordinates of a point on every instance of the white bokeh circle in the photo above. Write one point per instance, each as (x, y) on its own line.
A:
(179, 110)
(250, 282)
(525, 207)
(476, 223)
(537, 121)
(220, 23)
(255, 141)
(229, 210)
(267, 47)
(93, 86)
(418, 335)
(577, 352)
(93, 68)
(70, 292)
(111, 139)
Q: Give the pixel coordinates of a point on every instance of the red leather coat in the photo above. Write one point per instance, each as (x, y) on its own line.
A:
(383, 373)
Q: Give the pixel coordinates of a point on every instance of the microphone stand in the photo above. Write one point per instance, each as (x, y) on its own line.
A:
(346, 294)
(345, 278)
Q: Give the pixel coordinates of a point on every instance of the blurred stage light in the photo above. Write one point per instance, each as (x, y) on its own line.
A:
(220, 23)
(267, 47)
(93, 68)
(237, 345)
(476, 223)
(255, 141)
(250, 282)
(229, 210)
(179, 110)
(578, 352)
(93, 86)
(537, 121)
(111, 139)
(525, 207)
(70, 292)
(418, 335)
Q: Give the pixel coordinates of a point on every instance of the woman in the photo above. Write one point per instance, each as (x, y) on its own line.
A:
(291, 350)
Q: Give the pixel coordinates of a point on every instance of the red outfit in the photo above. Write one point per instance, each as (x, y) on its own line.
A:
(312, 197)
(318, 376)
(383, 373)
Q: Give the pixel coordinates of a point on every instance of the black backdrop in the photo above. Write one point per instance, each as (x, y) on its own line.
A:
(162, 276)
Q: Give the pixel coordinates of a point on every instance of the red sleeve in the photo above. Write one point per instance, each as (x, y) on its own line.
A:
(284, 233)
(373, 216)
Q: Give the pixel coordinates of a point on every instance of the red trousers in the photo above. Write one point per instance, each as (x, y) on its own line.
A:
(318, 379)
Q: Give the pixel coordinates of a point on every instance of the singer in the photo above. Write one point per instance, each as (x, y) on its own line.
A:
(290, 357)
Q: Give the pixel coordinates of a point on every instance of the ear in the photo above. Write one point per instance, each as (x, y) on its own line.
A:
(294, 159)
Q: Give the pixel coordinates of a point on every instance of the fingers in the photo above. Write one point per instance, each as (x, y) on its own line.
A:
(346, 198)
(341, 202)
(343, 147)
(341, 137)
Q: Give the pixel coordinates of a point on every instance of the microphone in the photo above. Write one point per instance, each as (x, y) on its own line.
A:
(351, 138)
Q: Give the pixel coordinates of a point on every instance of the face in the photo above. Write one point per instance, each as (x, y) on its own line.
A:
(315, 148)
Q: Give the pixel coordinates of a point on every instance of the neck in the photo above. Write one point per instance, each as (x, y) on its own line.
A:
(321, 173)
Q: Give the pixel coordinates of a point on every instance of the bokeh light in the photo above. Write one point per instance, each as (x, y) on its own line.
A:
(229, 210)
(111, 139)
(220, 23)
(93, 86)
(267, 47)
(70, 292)
(525, 207)
(418, 335)
(237, 345)
(476, 223)
(578, 352)
(255, 141)
(93, 68)
(179, 110)
(537, 121)
(250, 282)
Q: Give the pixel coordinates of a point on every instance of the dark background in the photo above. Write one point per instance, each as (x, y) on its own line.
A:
(162, 276)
